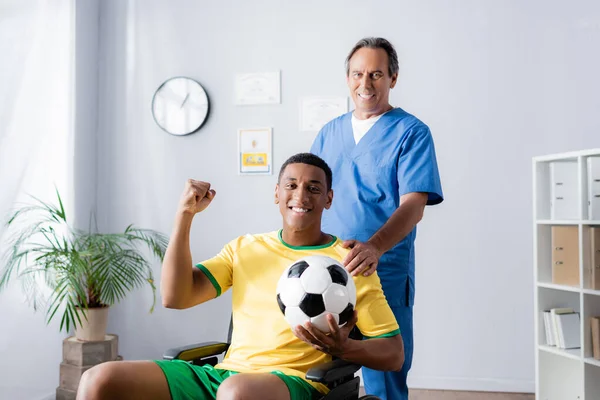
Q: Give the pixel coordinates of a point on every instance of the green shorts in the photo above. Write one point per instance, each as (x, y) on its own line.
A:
(187, 381)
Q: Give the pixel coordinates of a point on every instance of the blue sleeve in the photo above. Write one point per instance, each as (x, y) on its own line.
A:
(317, 146)
(417, 167)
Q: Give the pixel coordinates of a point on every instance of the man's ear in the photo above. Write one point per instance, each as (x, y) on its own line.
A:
(394, 80)
(277, 194)
(329, 199)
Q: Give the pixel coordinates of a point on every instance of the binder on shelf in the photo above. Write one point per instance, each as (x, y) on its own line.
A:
(593, 173)
(563, 190)
(565, 255)
(568, 331)
(595, 323)
(594, 267)
(548, 328)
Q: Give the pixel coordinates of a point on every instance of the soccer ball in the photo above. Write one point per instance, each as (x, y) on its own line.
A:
(313, 287)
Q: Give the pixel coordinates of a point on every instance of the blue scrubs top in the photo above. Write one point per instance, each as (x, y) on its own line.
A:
(395, 157)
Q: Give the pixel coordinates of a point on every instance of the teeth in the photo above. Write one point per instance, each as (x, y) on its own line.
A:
(366, 96)
(297, 209)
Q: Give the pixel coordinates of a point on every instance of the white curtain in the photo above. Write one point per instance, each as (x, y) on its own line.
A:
(36, 148)
(36, 89)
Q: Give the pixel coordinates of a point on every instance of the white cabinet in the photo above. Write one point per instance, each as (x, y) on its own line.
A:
(566, 238)
(593, 184)
(563, 190)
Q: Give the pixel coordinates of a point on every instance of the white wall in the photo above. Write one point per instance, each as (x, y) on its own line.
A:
(497, 82)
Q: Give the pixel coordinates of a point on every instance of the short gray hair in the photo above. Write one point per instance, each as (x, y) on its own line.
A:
(376, 43)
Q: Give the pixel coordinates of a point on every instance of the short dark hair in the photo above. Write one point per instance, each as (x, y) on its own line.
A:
(310, 159)
(376, 43)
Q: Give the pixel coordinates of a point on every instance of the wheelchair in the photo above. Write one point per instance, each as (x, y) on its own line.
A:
(337, 375)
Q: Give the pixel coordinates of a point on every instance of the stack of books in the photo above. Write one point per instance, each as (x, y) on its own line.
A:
(562, 328)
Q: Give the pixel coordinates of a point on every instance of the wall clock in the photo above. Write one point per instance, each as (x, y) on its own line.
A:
(180, 106)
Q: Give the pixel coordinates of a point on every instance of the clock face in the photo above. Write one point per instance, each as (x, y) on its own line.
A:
(180, 106)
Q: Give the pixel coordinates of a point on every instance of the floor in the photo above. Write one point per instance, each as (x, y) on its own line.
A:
(422, 394)
(453, 395)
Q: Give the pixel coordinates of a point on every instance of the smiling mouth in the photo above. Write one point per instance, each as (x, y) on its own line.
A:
(300, 210)
(366, 96)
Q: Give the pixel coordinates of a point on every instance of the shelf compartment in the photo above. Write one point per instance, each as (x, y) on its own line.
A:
(591, 308)
(560, 377)
(564, 248)
(592, 381)
(555, 298)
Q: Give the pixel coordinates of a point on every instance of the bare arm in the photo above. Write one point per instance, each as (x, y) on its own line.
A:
(401, 223)
(364, 256)
(182, 285)
(382, 354)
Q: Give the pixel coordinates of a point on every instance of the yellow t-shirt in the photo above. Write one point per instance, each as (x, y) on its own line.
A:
(262, 340)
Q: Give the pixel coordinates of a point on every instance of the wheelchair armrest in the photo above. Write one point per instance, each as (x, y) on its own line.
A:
(195, 351)
(332, 371)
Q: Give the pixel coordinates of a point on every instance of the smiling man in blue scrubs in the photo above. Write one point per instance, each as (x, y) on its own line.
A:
(384, 174)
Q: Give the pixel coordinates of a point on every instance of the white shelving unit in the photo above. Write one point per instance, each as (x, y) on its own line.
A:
(565, 374)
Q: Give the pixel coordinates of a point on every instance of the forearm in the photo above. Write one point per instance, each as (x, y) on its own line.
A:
(176, 275)
(383, 354)
(400, 223)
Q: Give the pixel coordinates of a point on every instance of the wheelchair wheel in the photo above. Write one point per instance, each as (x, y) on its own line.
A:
(369, 397)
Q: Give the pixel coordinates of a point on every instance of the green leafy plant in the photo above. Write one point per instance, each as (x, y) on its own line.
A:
(66, 269)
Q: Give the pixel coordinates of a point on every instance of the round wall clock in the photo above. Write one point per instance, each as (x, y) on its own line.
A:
(180, 106)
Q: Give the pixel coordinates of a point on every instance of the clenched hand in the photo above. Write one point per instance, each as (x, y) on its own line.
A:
(196, 196)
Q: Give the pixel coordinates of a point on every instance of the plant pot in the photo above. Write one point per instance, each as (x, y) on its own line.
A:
(94, 329)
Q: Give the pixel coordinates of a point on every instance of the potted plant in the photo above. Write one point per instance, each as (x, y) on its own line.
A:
(72, 272)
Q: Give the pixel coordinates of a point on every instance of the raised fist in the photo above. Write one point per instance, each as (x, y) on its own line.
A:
(196, 196)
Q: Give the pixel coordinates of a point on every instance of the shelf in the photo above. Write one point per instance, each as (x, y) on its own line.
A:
(574, 354)
(592, 361)
(564, 250)
(563, 287)
(558, 222)
(572, 155)
(567, 222)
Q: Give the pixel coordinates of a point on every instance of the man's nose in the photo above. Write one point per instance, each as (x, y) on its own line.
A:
(366, 81)
(301, 194)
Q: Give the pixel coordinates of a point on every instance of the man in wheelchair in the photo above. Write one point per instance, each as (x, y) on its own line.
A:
(266, 359)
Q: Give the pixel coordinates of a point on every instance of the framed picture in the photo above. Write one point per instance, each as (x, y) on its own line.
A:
(258, 88)
(316, 111)
(255, 151)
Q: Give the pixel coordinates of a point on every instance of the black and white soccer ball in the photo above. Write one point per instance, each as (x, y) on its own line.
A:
(313, 287)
